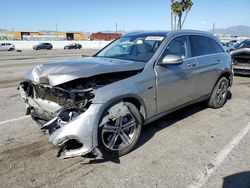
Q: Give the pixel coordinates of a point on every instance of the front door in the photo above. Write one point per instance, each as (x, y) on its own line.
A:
(175, 83)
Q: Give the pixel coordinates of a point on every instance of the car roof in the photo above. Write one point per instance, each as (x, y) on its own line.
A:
(164, 33)
(146, 33)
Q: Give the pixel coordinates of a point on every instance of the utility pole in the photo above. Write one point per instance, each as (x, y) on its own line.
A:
(116, 25)
(213, 27)
(56, 25)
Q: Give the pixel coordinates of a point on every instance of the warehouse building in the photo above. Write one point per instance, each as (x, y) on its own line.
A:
(45, 35)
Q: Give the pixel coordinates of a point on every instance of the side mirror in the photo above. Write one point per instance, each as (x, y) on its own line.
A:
(172, 60)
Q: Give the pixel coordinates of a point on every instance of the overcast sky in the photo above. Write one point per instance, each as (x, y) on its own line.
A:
(100, 15)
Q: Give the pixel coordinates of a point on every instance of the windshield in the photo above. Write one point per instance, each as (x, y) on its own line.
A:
(244, 44)
(132, 48)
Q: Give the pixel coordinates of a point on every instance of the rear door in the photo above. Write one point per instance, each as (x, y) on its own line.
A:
(175, 83)
(43, 46)
(8, 46)
(208, 54)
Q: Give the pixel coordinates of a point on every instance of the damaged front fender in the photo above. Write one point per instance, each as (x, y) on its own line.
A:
(80, 129)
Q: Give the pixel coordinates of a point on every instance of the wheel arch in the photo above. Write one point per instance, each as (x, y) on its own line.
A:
(134, 99)
(227, 75)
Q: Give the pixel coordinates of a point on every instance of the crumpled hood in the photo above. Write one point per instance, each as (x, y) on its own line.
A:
(59, 72)
(240, 51)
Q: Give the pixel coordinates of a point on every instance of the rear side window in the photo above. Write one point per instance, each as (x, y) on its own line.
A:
(247, 44)
(201, 45)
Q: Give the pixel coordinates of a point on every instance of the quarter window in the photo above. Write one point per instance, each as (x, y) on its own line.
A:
(215, 46)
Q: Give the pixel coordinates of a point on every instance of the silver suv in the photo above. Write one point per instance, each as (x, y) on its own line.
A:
(7, 47)
(98, 104)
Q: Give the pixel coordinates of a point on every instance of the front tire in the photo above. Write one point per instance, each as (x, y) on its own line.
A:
(117, 136)
(219, 94)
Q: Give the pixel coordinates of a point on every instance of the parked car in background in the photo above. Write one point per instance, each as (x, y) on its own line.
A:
(243, 44)
(46, 46)
(235, 42)
(99, 104)
(73, 46)
(228, 46)
(241, 58)
(7, 47)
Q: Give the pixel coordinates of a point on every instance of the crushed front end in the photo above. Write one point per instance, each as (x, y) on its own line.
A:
(241, 61)
(65, 113)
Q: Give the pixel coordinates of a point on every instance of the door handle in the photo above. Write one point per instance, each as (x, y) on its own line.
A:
(217, 59)
(192, 64)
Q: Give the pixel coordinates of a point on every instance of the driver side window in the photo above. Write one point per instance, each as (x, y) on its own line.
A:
(178, 46)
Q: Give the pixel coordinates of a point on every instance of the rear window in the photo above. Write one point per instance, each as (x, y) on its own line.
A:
(201, 45)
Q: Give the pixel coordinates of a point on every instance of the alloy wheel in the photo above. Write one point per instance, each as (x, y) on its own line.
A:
(119, 133)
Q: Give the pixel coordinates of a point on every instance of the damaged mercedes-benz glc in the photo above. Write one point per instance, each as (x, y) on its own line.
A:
(98, 104)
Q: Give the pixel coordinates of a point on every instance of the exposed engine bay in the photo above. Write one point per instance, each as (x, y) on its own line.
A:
(74, 94)
(241, 61)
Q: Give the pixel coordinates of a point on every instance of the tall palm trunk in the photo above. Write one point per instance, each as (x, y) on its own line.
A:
(179, 21)
(172, 20)
(172, 27)
(184, 19)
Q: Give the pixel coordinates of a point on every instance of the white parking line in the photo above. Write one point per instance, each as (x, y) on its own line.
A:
(210, 169)
(9, 88)
(14, 119)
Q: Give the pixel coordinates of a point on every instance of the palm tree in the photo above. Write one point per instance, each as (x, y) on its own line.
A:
(172, 16)
(176, 8)
(188, 5)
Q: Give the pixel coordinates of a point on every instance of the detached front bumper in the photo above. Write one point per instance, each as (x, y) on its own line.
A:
(74, 137)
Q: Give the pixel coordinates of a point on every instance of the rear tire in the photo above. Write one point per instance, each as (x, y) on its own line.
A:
(219, 94)
(118, 136)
